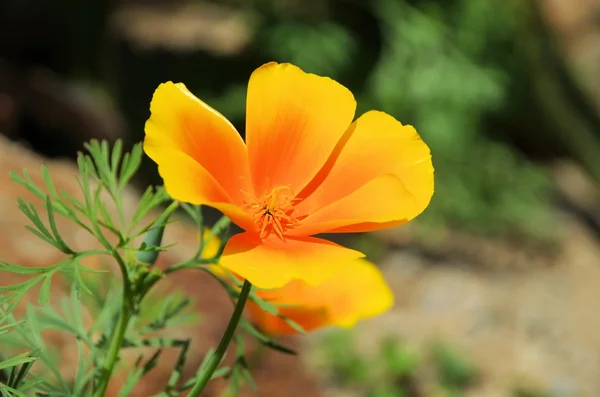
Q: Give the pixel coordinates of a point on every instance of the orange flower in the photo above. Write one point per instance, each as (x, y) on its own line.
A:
(357, 292)
(305, 169)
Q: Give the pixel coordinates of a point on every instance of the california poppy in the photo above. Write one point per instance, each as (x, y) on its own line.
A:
(304, 169)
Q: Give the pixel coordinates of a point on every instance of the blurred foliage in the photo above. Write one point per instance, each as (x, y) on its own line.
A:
(452, 68)
(529, 391)
(398, 370)
(442, 72)
(454, 371)
(446, 68)
(395, 369)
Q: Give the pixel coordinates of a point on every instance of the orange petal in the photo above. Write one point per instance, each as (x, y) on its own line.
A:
(272, 263)
(378, 202)
(374, 145)
(186, 180)
(293, 122)
(358, 291)
(181, 122)
(308, 319)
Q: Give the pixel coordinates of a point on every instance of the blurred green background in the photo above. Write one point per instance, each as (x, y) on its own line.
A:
(502, 91)
(461, 71)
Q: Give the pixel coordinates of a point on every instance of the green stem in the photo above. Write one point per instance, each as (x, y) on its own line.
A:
(214, 361)
(116, 341)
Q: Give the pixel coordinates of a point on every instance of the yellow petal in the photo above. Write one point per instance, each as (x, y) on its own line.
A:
(211, 247)
(186, 180)
(272, 263)
(346, 307)
(376, 144)
(180, 122)
(293, 122)
(358, 291)
(209, 250)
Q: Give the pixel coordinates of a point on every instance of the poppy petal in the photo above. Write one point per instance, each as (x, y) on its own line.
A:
(374, 145)
(293, 122)
(308, 319)
(272, 263)
(187, 181)
(382, 200)
(181, 122)
(333, 302)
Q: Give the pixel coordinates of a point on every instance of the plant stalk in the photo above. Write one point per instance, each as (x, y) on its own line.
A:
(116, 341)
(206, 373)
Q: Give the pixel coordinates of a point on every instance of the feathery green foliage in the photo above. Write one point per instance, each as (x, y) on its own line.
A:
(104, 315)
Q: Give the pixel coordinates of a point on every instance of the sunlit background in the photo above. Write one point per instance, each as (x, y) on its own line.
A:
(497, 284)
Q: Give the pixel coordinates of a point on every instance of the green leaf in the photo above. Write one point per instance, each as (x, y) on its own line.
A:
(53, 320)
(164, 312)
(247, 375)
(206, 360)
(106, 218)
(52, 390)
(78, 283)
(32, 383)
(143, 205)
(264, 339)
(42, 237)
(4, 328)
(59, 241)
(99, 159)
(12, 300)
(194, 211)
(31, 213)
(6, 266)
(27, 183)
(130, 167)
(217, 374)
(92, 271)
(44, 295)
(22, 358)
(49, 182)
(13, 287)
(13, 392)
(34, 327)
(149, 203)
(116, 156)
(76, 305)
(23, 371)
(105, 317)
(82, 374)
(134, 376)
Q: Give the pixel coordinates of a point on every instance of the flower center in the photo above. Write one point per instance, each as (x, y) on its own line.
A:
(273, 213)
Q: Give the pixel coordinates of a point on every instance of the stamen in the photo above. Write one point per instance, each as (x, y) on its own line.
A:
(273, 213)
